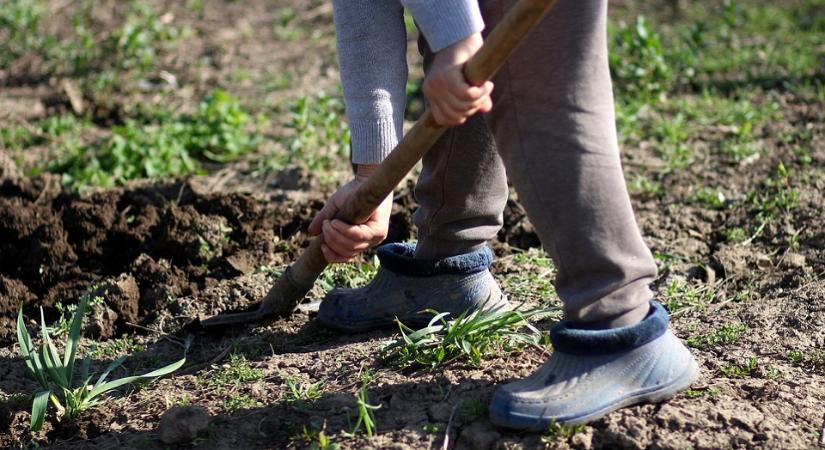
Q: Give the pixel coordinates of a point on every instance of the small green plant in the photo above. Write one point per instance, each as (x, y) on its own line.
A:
(473, 408)
(366, 411)
(814, 360)
(727, 334)
(236, 372)
(19, 20)
(776, 197)
(320, 134)
(163, 145)
(349, 275)
(740, 371)
(317, 439)
(115, 347)
(698, 393)
(301, 392)
(470, 335)
(55, 374)
(240, 401)
(556, 432)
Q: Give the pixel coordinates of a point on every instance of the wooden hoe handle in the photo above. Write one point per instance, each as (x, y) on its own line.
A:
(299, 278)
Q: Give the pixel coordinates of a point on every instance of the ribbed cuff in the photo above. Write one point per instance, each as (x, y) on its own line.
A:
(373, 140)
(445, 22)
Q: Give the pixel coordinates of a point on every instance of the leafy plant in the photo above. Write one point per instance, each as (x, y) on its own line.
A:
(301, 391)
(727, 334)
(55, 374)
(320, 134)
(236, 372)
(164, 145)
(19, 20)
(471, 335)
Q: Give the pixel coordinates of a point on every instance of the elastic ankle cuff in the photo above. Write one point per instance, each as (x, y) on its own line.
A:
(398, 258)
(566, 338)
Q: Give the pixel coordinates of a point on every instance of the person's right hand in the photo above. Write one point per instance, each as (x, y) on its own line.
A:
(343, 241)
(450, 98)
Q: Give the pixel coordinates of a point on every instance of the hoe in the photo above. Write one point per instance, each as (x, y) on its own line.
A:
(298, 279)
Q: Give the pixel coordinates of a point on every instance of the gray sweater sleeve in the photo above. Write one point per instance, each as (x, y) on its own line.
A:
(372, 47)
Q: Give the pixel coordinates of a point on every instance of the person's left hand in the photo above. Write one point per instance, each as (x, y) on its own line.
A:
(343, 241)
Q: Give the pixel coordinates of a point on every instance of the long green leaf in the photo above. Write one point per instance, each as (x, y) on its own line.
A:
(51, 357)
(112, 366)
(74, 338)
(39, 405)
(105, 387)
(28, 352)
(55, 376)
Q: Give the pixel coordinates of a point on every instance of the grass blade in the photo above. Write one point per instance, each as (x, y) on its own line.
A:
(51, 358)
(39, 405)
(105, 387)
(112, 366)
(28, 352)
(74, 338)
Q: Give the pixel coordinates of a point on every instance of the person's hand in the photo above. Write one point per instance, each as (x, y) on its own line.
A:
(451, 99)
(342, 241)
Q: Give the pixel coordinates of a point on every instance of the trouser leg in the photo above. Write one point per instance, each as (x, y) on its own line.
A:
(462, 189)
(553, 122)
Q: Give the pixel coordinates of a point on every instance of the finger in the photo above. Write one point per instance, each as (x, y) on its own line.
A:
(340, 243)
(355, 233)
(331, 256)
(327, 212)
(445, 114)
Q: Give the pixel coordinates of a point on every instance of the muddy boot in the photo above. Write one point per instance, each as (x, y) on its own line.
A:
(594, 372)
(405, 286)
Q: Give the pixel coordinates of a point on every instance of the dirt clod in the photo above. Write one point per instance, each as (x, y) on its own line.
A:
(122, 295)
(182, 424)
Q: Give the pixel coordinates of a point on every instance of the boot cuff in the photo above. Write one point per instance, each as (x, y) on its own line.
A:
(566, 338)
(398, 258)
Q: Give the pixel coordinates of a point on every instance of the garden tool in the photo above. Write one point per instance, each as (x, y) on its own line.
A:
(288, 291)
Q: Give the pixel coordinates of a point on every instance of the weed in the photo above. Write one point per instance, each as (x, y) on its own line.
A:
(638, 61)
(55, 374)
(556, 432)
(740, 371)
(679, 295)
(473, 408)
(320, 136)
(348, 275)
(317, 439)
(239, 401)
(698, 393)
(431, 428)
(776, 197)
(472, 336)
(366, 412)
(301, 392)
(814, 360)
(166, 145)
(727, 334)
(116, 347)
(711, 198)
(19, 20)
(235, 373)
(66, 312)
(735, 234)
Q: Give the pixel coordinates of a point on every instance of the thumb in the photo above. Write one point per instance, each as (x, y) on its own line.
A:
(326, 213)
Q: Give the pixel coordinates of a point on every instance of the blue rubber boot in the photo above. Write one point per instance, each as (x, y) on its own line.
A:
(405, 286)
(594, 372)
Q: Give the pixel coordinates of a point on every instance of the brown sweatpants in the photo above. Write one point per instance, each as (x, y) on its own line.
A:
(552, 127)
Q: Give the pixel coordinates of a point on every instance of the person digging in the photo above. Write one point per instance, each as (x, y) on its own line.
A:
(549, 126)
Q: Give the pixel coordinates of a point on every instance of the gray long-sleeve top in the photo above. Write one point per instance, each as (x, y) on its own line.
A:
(372, 55)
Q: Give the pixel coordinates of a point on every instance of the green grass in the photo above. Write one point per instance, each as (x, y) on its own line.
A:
(117, 347)
(699, 393)
(237, 401)
(298, 391)
(556, 432)
(725, 335)
(236, 372)
(471, 337)
(741, 370)
(164, 145)
(366, 411)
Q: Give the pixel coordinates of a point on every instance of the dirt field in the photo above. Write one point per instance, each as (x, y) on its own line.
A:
(726, 175)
